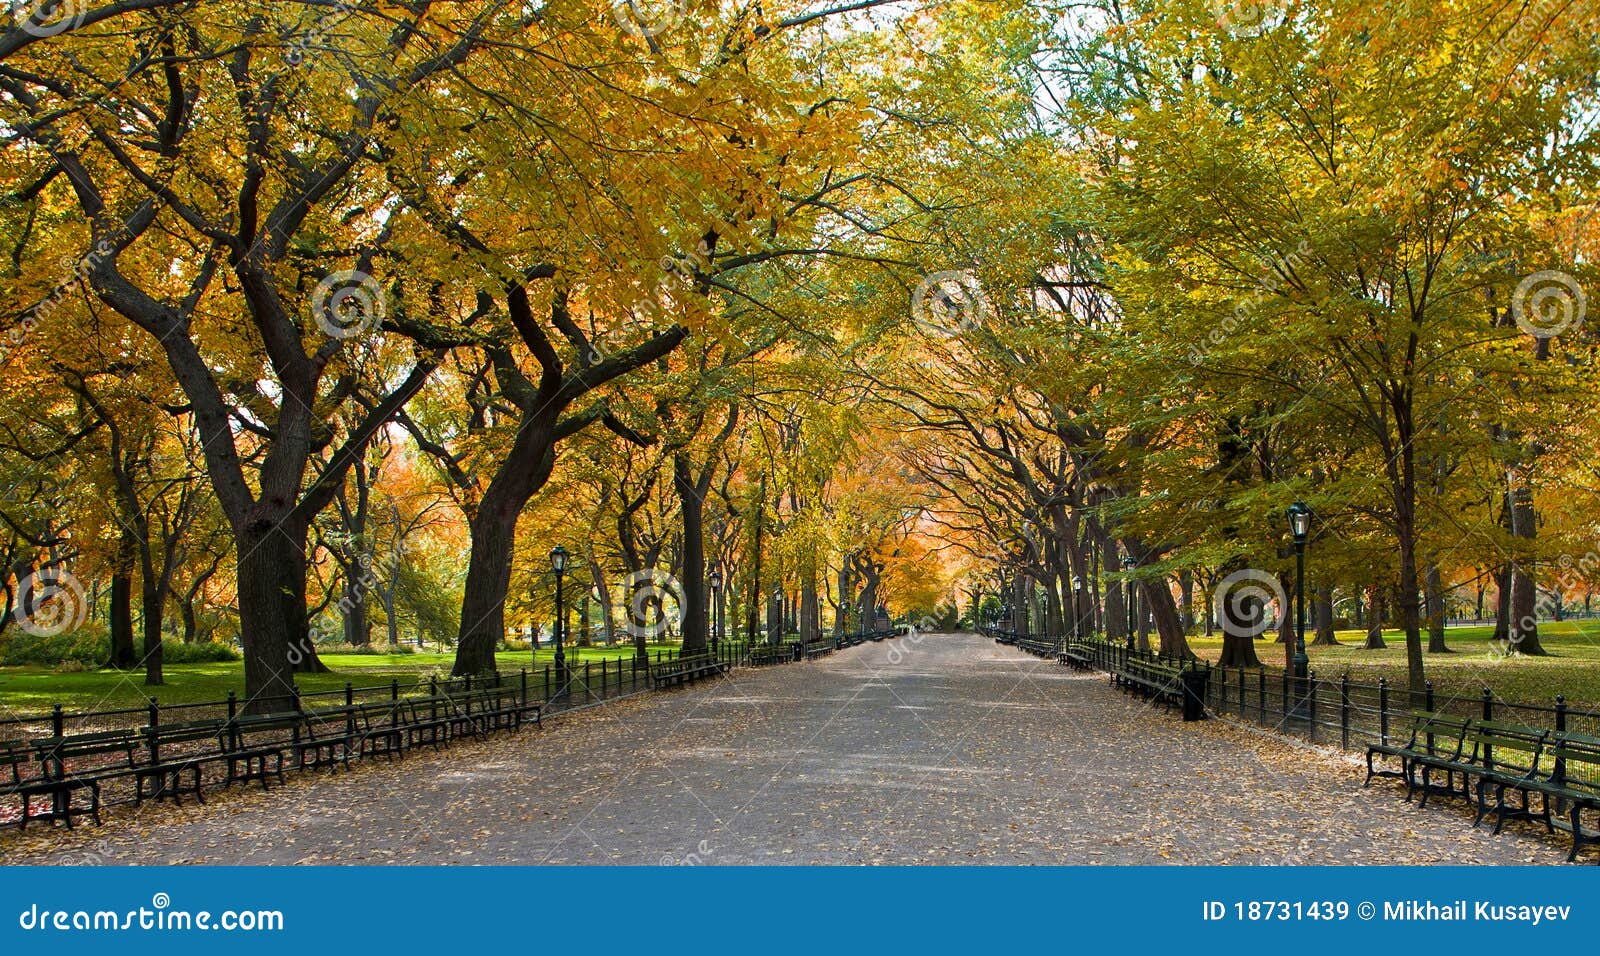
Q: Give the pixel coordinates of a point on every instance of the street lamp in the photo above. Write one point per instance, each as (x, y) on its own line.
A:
(1300, 527)
(1128, 592)
(1077, 606)
(716, 609)
(558, 564)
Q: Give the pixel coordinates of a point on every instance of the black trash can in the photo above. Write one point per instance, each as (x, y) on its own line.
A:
(1194, 692)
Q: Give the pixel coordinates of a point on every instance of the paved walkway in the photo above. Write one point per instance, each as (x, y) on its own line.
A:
(947, 749)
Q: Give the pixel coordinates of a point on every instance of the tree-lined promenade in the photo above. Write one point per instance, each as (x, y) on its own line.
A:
(325, 325)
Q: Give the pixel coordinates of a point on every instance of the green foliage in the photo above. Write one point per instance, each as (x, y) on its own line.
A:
(89, 646)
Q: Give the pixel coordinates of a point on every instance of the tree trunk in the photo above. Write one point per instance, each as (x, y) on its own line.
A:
(1374, 619)
(1523, 620)
(153, 603)
(691, 509)
(1186, 599)
(272, 612)
(491, 533)
(1322, 606)
(1241, 612)
(1434, 583)
(123, 655)
(1168, 621)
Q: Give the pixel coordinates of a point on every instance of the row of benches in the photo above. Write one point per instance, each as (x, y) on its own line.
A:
(685, 670)
(1482, 757)
(166, 761)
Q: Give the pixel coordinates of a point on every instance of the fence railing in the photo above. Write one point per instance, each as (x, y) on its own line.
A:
(555, 690)
(1341, 711)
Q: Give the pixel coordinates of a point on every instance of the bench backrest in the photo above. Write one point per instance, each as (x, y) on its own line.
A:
(1577, 760)
(1444, 733)
(15, 756)
(1507, 746)
(237, 728)
(54, 752)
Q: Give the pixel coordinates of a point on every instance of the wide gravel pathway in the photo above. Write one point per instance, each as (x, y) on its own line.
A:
(939, 749)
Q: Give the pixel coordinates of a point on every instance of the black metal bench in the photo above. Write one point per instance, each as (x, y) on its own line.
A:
(1506, 756)
(1574, 784)
(763, 654)
(248, 742)
(1151, 678)
(1078, 656)
(112, 754)
(164, 773)
(684, 670)
(1436, 741)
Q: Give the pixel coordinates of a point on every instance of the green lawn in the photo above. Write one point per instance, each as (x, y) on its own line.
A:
(1572, 669)
(32, 690)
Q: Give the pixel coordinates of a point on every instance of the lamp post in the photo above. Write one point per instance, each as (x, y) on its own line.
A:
(716, 610)
(1300, 528)
(558, 564)
(1128, 594)
(1077, 607)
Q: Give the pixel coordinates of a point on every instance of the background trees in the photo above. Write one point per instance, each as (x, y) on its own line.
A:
(324, 323)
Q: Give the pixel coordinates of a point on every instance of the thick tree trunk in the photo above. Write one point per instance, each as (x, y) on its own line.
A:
(353, 610)
(272, 612)
(492, 533)
(691, 510)
(1322, 606)
(1523, 620)
(1434, 583)
(1374, 640)
(1186, 599)
(1241, 613)
(153, 601)
(1168, 621)
(123, 655)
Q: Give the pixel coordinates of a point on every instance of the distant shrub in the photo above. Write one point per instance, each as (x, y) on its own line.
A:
(373, 649)
(515, 646)
(204, 652)
(88, 646)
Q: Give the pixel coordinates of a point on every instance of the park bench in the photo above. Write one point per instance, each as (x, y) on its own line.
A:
(1506, 756)
(381, 729)
(1573, 784)
(763, 654)
(426, 722)
(1155, 679)
(161, 775)
(1436, 740)
(329, 736)
(1078, 656)
(250, 741)
(78, 762)
(684, 670)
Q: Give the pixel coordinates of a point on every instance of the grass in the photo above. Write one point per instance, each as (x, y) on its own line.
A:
(32, 690)
(1572, 668)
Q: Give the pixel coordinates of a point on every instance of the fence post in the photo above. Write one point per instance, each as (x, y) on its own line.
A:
(547, 683)
(394, 688)
(295, 689)
(524, 682)
(233, 711)
(1559, 772)
(1383, 711)
(155, 721)
(1311, 706)
(1427, 705)
(1261, 695)
(58, 721)
(1344, 711)
(586, 694)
